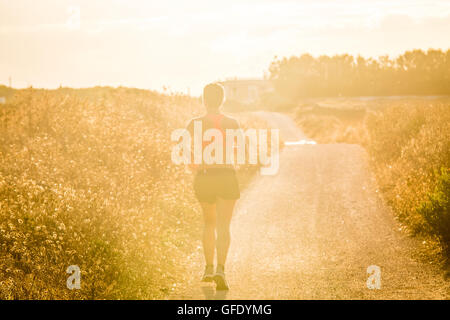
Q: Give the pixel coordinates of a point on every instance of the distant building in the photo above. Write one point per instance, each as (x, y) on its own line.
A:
(246, 91)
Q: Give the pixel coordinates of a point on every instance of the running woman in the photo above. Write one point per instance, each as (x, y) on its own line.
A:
(216, 188)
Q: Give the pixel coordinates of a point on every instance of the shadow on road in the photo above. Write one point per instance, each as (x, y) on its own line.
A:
(212, 294)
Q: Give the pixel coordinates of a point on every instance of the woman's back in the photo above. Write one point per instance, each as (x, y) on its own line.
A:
(217, 121)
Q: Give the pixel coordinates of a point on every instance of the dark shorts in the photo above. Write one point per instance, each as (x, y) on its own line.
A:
(213, 183)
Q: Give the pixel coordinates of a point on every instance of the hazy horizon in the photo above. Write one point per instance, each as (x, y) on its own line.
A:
(183, 45)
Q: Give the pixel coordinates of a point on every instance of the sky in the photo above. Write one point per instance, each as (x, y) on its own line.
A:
(183, 45)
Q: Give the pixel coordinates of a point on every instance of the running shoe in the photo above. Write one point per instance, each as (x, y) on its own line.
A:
(219, 279)
(208, 274)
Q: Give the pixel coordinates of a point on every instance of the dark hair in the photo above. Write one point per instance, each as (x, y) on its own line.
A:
(213, 95)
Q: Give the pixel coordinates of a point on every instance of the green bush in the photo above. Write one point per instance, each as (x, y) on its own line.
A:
(436, 210)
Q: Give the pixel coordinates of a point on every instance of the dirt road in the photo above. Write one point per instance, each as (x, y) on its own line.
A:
(312, 230)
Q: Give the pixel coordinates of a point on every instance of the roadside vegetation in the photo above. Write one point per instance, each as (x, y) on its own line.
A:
(86, 179)
(408, 141)
(397, 108)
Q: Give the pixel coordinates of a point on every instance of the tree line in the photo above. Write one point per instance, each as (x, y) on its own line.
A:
(414, 72)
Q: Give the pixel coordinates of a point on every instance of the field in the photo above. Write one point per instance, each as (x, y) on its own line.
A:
(408, 141)
(86, 179)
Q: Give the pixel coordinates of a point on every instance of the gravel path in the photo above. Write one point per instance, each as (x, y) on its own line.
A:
(311, 231)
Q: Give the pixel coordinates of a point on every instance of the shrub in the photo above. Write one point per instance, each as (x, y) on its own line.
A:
(436, 209)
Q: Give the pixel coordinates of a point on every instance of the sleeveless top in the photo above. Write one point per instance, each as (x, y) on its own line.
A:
(216, 120)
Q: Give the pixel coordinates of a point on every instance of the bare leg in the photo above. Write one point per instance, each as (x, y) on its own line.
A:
(209, 236)
(224, 213)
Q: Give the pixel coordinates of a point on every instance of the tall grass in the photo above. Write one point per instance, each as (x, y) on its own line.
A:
(86, 179)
